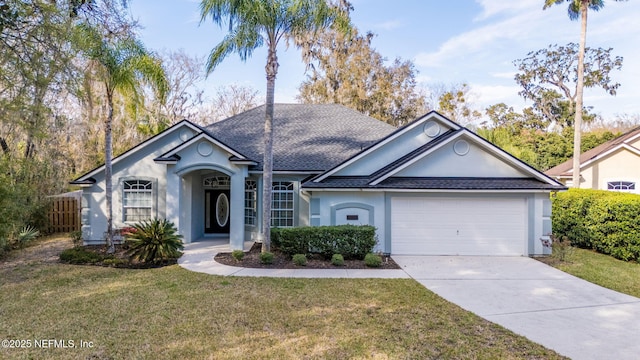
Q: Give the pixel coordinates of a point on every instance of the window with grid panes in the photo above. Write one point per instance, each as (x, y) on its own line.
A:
(137, 200)
(282, 204)
(250, 202)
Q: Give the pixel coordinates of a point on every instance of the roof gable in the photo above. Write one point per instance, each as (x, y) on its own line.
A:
(628, 140)
(455, 153)
(398, 144)
(181, 131)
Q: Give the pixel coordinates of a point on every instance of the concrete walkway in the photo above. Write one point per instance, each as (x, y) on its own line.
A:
(198, 256)
(572, 316)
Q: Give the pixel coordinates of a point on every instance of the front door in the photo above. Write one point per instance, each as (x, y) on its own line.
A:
(216, 211)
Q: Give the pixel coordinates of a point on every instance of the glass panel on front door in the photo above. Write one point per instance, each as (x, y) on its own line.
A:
(217, 211)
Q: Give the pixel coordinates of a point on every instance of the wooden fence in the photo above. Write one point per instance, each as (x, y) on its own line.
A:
(64, 215)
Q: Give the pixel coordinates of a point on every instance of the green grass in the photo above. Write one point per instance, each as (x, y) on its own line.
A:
(171, 313)
(603, 270)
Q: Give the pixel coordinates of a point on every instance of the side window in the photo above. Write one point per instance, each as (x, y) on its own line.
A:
(621, 185)
(282, 204)
(137, 200)
(250, 202)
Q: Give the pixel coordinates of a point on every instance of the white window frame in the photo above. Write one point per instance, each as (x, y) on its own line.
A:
(138, 187)
(617, 185)
(283, 209)
(250, 202)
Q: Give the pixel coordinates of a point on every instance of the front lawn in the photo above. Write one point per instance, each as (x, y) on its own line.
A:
(171, 313)
(603, 270)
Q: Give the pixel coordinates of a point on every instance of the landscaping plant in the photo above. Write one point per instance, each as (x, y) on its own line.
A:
(154, 240)
(238, 255)
(300, 259)
(373, 260)
(337, 260)
(266, 258)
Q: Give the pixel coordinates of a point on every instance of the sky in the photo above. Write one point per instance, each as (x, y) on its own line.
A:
(450, 42)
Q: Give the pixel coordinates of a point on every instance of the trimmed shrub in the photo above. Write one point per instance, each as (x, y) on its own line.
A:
(237, 254)
(337, 260)
(300, 259)
(570, 210)
(80, 255)
(154, 241)
(373, 260)
(602, 220)
(353, 242)
(266, 258)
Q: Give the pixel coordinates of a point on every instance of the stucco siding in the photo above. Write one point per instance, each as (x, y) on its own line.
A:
(622, 165)
(445, 162)
(329, 205)
(389, 152)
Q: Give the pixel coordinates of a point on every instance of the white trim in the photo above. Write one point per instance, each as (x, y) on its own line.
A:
(142, 145)
(479, 142)
(415, 159)
(207, 137)
(632, 139)
(608, 152)
(390, 138)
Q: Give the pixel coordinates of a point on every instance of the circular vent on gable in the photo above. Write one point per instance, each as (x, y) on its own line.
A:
(205, 149)
(431, 128)
(461, 147)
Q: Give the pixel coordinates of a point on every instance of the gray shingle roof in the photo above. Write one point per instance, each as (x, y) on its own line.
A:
(306, 137)
(433, 183)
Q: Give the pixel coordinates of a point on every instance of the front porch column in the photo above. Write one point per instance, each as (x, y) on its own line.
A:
(236, 217)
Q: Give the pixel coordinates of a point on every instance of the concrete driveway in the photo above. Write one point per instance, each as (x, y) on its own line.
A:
(572, 316)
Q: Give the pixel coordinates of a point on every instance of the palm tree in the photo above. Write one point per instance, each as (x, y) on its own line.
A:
(253, 23)
(578, 10)
(122, 65)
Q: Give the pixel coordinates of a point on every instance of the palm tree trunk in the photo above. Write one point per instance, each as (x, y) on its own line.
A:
(108, 188)
(267, 167)
(577, 124)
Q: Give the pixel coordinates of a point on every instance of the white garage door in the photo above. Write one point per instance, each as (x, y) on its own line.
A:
(457, 226)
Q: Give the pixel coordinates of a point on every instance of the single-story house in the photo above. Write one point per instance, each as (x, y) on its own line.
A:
(614, 165)
(430, 187)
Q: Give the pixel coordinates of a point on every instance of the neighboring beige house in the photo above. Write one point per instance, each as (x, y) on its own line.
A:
(614, 165)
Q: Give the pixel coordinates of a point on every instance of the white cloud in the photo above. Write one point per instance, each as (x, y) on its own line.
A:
(492, 8)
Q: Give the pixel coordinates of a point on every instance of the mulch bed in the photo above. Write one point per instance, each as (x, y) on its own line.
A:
(280, 261)
(123, 260)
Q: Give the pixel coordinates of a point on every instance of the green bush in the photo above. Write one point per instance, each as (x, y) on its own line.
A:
(300, 259)
(373, 260)
(337, 260)
(266, 258)
(80, 255)
(353, 242)
(237, 254)
(602, 220)
(154, 241)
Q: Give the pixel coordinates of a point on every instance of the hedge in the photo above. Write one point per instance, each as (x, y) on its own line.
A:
(608, 222)
(353, 242)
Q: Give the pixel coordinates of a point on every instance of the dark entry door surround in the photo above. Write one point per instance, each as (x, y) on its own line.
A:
(217, 216)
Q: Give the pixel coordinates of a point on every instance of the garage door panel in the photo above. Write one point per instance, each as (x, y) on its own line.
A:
(457, 226)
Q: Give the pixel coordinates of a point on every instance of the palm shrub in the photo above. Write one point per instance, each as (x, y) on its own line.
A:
(154, 240)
